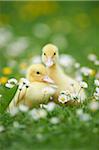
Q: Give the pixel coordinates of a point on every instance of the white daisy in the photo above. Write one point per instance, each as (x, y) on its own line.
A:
(96, 82)
(83, 84)
(8, 85)
(96, 95)
(64, 97)
(12, 81)
(97, 90)
(25, 81)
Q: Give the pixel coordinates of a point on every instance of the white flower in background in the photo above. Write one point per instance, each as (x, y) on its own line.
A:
(18, 46)
(0, 95)
(78, 77)
(96, 82)
(2, 128)
(60, 40)
(96, 62)
(94, 106)
(66, 60)
(97, 89)
(92, 57)
(85, 117)
(64, 97)
(37, 114)
(23, 108)
(41, 30)
(48, 90)
(54, 120)
(95, 130)
(42, 113)
(83, 85)
(5, 36)
(86, 71)
(77, 65)
(79, 112)
(50, 106)
(16, 124)
(36, 59)
(40, 137)
(96, 95)
(34, 114)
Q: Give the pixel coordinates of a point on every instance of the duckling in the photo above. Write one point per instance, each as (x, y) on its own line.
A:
(50, 58)
(37, 88)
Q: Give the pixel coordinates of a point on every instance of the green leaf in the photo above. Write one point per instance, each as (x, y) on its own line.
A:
(7, 96)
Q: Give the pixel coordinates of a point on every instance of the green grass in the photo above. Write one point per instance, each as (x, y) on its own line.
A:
(78, 23)
(70, 133)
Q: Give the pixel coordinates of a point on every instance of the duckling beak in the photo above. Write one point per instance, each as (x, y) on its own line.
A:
(48, 79)
(49, 62)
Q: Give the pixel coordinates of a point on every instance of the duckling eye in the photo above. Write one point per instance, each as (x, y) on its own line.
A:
(54, 53)
(38, 72)
(62, 93)
(44, 54)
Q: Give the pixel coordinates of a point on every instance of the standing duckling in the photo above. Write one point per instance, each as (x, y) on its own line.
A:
(50, 59)
(37, 89)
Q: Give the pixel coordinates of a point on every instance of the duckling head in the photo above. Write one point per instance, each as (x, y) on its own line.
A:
(38, 73)
(50, 55)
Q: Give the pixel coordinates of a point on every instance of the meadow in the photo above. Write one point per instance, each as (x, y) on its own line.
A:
(25, 27)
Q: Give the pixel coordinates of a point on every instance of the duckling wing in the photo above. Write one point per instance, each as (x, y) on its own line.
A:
(37, 94)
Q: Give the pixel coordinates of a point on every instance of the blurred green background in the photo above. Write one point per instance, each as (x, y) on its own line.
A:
(25, 27)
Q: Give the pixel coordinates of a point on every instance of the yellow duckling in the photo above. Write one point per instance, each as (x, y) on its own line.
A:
(50, 59)
(36, 89)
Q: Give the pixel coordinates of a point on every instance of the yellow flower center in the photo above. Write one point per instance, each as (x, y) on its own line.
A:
(62, 98)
